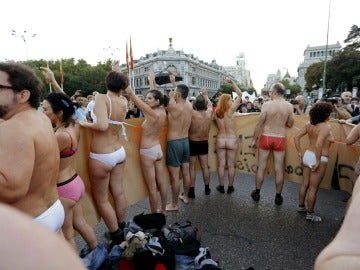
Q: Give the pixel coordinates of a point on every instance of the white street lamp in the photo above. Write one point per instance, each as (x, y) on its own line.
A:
(24, 36)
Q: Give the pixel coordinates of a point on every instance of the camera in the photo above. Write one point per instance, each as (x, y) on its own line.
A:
(294, 102)
(332, 100)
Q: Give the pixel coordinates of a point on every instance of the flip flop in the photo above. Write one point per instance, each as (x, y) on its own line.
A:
(182, 197)
(169, 208)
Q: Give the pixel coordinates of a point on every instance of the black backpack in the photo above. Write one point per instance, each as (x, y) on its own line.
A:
(181, 238)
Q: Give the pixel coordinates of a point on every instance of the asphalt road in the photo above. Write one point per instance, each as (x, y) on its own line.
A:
(241, 233)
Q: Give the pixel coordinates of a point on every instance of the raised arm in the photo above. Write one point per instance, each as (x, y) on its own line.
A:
(50, 78)
(146, 109)
(237, 101)
(172, 80)
(151, 79)
(203, 92)
(115, 66)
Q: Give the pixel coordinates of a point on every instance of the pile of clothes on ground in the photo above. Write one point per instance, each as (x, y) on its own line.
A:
(150, 245)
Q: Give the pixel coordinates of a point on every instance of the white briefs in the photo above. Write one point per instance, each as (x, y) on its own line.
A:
(309, 159)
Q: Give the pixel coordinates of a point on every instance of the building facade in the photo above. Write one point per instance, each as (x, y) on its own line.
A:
(195, 73)
(239, 72)
(313, 55)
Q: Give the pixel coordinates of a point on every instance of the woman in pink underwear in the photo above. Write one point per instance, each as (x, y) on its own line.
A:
(150, 149)
(107, 156)
(315, 157)
(60, 110)
(226, 139)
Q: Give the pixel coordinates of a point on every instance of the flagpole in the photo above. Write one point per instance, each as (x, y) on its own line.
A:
(132, 67)
(61, 76)
(326, 50)
(127, 64)
(50, 89)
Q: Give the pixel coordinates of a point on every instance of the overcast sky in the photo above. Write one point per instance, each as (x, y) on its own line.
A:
(273, 34)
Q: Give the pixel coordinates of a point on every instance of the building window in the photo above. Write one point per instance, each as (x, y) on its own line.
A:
(310, 54)
(193, 80)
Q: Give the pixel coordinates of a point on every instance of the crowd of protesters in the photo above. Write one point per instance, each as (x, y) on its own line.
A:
(47, 187)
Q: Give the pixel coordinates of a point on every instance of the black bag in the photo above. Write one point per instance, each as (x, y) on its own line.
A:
(181, 238)
(150, 221)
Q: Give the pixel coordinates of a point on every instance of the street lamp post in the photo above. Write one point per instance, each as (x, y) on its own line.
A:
(24, 36)
(326, 50)
(111, 51)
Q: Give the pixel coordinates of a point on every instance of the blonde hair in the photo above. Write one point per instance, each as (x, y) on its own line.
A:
(223, 105)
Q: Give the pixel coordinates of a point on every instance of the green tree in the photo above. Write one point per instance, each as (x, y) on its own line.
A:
(313, 75)
(353, 38)
(295, 89)
(343, 70)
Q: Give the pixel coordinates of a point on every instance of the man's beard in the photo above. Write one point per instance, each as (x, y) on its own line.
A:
(5, 109)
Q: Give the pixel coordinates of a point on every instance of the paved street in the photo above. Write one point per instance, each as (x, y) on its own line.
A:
(241, 233)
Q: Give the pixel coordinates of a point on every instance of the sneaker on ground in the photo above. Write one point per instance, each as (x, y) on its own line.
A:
(207, 191)
(220, 189)
(313, 218)
(230, 190)
(191, 193)
(302, 210)
(255, 196)
(279, 200)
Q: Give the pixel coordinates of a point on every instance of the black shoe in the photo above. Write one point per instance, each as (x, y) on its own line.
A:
(220, 189)
(191, 193)
(230, 189)
(207, 191)
(278, 200)
(255, 196)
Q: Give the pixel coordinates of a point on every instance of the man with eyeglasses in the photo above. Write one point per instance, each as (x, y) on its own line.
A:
(29, 154)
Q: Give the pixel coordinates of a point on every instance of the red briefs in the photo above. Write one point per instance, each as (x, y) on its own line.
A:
(275, 143)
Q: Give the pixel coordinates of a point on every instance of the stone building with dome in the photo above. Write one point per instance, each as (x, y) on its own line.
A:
(196, 73)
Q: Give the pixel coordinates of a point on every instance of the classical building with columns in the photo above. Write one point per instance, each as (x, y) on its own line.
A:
(239, 71)
(313, 55)
(195, 73)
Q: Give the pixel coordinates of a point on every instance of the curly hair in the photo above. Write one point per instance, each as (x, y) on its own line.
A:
(223, 105)
(320, 112)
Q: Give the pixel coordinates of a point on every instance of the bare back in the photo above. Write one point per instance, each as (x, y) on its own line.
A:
(277, 114)
(226, 125)
(108, 139)
(320, 136)
(152, 127)
(30, 154)
(200, 125)
(179, 120)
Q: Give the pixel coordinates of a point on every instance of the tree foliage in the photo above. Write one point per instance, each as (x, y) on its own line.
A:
(343, 70)
(295, 89)
(353, 38)
(78, 75)
(314, 75)
(227, 88)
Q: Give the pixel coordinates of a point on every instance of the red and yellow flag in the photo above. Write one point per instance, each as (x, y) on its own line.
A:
(131, 57)
(127, 58)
